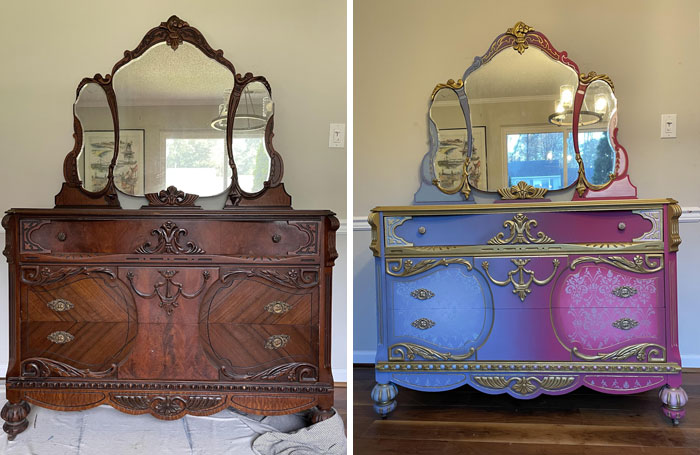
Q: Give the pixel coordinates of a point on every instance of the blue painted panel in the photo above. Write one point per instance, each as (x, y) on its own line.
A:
(465, 290)
(472, 229)
(453, 329)
(429, 382)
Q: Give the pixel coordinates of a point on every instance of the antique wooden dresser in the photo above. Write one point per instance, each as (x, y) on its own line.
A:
(566, 281)
(171, 308)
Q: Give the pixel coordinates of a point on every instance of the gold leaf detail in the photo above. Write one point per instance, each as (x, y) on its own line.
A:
(520, 232)
(522, 191)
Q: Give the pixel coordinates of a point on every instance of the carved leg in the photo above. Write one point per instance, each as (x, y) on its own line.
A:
(384, 397)
(15, 417)
(674, 400)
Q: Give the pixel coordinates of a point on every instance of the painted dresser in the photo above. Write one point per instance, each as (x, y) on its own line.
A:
(526, 295)
(170, 309)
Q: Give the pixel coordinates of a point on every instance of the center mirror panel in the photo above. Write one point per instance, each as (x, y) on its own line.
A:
(168, 102)
(522, 106)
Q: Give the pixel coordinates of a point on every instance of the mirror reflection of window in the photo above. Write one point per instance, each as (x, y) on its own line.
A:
(197, 163)
(252, 162)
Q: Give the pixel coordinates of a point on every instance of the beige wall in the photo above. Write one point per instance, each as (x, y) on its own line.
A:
(48, 47)
(403, 48)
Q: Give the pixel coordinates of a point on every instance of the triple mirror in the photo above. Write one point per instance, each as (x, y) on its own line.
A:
(522, 121)
(182, 118)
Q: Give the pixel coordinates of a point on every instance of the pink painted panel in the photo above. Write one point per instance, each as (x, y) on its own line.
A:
(623, 383)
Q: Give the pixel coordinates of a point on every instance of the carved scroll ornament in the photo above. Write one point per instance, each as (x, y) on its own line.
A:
(169, 241)
(168, 300)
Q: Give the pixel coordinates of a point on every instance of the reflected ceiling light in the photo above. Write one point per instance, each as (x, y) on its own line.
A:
(564, 113)
(247, 117)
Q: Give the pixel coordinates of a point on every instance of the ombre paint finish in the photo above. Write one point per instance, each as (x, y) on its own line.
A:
(526, 324)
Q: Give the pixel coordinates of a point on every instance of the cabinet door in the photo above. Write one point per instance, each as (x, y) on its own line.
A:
(441, 304)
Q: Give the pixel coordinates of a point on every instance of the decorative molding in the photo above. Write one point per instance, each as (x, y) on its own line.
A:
(423, 324)
(409, 351)
(169, 241)
(311, 231)
(169, 300)
(657, 226)
(422, 294)
(649, 351)
(519, 228)
(449, 84)
(518, 31)
(637, 265)
(625, 324)
(296, 278)
(521, 287)
(409, 269)
(674, 213)
(586, 79)
(172, 197)
(519, 367)
(39, 367)
(27, 228)
(522, 191)
(36, 275)
(167, 406)
(525, 385)
(390, 225)
(292, 372)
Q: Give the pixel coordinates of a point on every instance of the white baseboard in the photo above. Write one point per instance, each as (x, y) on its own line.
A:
(340, 375)
(363, 356)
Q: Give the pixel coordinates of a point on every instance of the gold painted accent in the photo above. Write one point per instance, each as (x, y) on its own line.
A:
(390, 225)
(404, 351)
(637, 265)
(60, 337)
(463, 185)
(409, 269)
(277, 341)
(586, 79)
(582, 183)
(373, 220)
(520, 367)
(554, 206)
(519, 31)
(422, 294)
(521, 287)
(624, 291)
(657, 227)
(423, 324)
(625, 324)
(523, 385)
(59, 305)
(277, 307)
(528, 249)
(450, 84)
(674, 213)
(655, 353)
(522, 191)
(520, 232)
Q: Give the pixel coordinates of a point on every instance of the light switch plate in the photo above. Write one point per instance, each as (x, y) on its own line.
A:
(668, 126)
(336, 137)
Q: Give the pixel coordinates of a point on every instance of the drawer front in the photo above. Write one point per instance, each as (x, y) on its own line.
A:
(163, 236)
(447, 329)
(442, 287)
(75, 293)
(83, 345)
(529, 227)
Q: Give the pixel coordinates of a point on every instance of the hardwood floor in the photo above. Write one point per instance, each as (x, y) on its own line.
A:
(464, 421)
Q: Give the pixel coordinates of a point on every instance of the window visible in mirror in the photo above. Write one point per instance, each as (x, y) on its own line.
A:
(197, 165)
(252, 162)
(598, 156)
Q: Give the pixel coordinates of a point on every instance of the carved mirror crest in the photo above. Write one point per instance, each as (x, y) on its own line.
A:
(523, 122)
(173, 122)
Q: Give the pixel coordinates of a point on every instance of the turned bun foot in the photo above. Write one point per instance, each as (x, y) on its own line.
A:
(319, 415)
(15, 417)
(384, 397)
(674, 400)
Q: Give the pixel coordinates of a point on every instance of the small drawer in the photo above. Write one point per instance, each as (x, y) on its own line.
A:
(523, 228)
(251, 345)
(171, 236)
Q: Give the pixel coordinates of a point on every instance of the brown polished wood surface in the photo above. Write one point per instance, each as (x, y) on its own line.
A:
(466, 421)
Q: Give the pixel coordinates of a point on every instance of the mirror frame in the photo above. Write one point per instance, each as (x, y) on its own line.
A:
(173, 32)
(519, 38)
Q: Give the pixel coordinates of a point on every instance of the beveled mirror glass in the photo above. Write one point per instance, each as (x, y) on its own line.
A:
(448, 117)
(167, 100)
(594, 140)
(92, 110)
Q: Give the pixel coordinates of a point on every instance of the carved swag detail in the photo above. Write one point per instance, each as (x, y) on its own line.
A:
(169, 241)
(167, 406)
(172, 197)
(292, 372)
(168, 301)
(39, 367)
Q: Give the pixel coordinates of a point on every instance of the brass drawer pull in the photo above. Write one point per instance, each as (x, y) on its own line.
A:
(624, 291)
(422, 294)
(277, 341)
(278, 307)
(423, 323)
(276, 238)
(60, 337)
(59, 305)
(625, 324)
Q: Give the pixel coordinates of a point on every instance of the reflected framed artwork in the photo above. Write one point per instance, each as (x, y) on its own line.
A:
(478, 175)
(129, 171)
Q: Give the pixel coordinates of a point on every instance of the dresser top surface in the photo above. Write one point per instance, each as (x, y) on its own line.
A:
(234, 214)
(606, 204)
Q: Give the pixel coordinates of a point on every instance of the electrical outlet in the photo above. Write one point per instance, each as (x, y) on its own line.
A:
(668, 126)
(336, 137)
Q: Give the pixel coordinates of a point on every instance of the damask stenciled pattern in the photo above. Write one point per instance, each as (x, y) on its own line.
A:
(593, 308)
